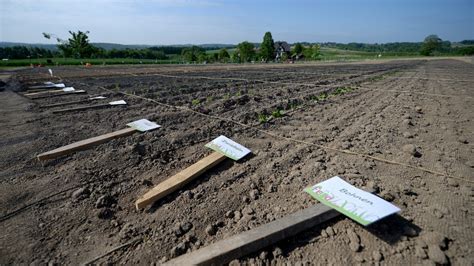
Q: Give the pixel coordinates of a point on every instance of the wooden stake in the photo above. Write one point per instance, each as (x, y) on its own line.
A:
(253, 240)
(179, 180)
(43, 92)
(64, 103)
(43, 86)
(85, 144)
(70, 102)
(84, 108)
(58, 94)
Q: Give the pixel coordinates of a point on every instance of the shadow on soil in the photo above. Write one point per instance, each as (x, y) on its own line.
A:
(390, 230)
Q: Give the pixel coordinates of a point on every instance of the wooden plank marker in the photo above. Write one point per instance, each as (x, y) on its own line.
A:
(73, 102)
(48, 85)
(253, 240)
(139, 125)
(67, 89)
(80, 108)
(58, 94)
(223, 147)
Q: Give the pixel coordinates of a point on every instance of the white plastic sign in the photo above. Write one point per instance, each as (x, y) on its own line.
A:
(143, 125)
(97, 98)
(59, 85)
(361, 206)
(68, 89)
(228, 147)
(121, 102)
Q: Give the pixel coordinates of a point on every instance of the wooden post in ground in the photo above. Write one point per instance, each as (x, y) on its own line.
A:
(63, 103)
(58, 94)
(253, 240)
(179, 180)
(85, 144)
(80, 108)
(42, 92)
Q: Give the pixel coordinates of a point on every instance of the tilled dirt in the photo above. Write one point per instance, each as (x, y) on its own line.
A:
(416, 114)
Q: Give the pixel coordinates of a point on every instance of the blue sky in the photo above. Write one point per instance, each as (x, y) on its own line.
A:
(228, 21)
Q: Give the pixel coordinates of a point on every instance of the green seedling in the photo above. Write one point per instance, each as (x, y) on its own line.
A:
(262, 118)
(321, 97)
(277, 113)
(342, 90)
(209, 99)
(195, 102)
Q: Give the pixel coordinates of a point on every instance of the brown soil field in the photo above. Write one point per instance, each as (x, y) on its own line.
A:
(404, 129)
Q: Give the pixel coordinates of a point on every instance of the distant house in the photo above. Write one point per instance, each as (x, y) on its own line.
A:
(280, 49)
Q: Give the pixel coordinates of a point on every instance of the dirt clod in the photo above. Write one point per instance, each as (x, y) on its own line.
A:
(437, 255)
(211, 229)
(80, 194)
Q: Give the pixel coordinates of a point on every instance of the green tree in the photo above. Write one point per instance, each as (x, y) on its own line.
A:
(223, 55)
(235, 57)
(77, 46)
(202, 57)
(267, 48)
(191, 54)
(311, 52)
(431, 44)
(246, 51)
(298, 48)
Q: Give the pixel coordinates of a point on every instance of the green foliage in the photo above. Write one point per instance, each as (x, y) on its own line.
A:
(277, 113)
(195, 102)
(223, 55)
(267, 48)
(245, 51)
(202, 58)
(235, 57)
(431, 44)
(193, 53)
(342, 90)
(468, 50)
(321, 97)
(298, 48)
(311, 52)
(262, 118)
(23, 52)
(77, 46)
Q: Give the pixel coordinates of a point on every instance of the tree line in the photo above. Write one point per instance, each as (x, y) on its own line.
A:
(78, 46)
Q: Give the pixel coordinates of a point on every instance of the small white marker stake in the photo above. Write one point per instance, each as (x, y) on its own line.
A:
(361, 206)
(50, 72)
(98, 98)
(227, 148)
(143, 125)
(68, 89)
(85, 144)
(121, 102)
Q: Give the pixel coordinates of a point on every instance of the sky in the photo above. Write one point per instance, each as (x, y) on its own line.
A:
(164, 22)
